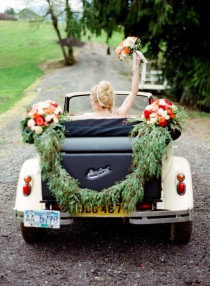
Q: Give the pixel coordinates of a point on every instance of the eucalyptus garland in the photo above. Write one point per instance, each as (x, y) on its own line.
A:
(149, 139)
(149, 143)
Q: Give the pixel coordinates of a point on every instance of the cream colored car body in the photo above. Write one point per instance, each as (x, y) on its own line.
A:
(172, 208)
(171, 201)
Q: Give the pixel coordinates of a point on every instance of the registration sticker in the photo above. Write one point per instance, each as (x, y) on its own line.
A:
(104, 211)
(42, 218)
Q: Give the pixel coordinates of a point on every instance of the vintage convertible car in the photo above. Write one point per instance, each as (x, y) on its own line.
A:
(98, 153)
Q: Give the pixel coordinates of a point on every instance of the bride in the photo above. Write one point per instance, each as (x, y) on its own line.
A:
(102, 98)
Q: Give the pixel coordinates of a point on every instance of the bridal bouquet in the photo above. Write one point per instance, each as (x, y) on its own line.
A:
(127, 47)
(38, 118)
(130, 47)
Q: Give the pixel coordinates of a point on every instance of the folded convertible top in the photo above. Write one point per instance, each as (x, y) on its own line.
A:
(98, 127)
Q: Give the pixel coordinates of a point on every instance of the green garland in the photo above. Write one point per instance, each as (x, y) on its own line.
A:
(149, 144)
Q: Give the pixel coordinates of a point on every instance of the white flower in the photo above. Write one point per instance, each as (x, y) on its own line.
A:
(33, 128)
(58, 110)
(48, 118)
(40, 110)
(122, 55)
(149, 107)
(55, 120)
(129, 41)
(153, 120)
(118, 49)
(38, 130)
(31, 123)
(160, 111)
(162, 102)
(164, 113)
(153, 114)
(167, 117)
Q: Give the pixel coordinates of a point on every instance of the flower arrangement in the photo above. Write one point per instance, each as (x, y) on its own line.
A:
(160, 112)
(39, 117)
(127, 47)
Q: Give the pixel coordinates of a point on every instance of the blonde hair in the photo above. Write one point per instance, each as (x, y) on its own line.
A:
(103, 94)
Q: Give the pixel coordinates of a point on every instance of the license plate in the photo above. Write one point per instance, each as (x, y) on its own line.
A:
(43, 218)
(103, 211)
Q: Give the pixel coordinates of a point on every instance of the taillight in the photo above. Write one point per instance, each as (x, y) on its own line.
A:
(143, 206)
(27, 186)
(181, 187)
(180, 177)
(27, 179)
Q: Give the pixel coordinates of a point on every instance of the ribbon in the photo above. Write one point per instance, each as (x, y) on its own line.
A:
(144, 66)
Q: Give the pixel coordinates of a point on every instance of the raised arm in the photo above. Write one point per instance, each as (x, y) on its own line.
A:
(128, 102)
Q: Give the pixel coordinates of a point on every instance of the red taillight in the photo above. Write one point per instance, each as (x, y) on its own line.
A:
(143, 206)
(181, 188)
(26, 189)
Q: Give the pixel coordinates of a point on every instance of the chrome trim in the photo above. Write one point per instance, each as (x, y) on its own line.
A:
(117, 92)
(101, 172)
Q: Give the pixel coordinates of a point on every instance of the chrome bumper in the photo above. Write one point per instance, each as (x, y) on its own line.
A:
(163, 216)
(137, 217)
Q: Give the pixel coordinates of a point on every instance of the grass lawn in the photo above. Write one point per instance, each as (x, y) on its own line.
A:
(23, 47)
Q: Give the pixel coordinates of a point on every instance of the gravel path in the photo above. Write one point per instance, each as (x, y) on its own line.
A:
(90, 252)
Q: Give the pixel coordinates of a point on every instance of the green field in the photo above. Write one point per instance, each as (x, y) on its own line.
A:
(23, 47)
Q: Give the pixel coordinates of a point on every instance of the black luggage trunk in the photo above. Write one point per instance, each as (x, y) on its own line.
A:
(98, 153)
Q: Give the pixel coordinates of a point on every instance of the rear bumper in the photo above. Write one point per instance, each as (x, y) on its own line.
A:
(137, 217)
(158, 217)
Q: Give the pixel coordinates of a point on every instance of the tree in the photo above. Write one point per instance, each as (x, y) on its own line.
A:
(10, 11)
(64, 13)
(176, 33)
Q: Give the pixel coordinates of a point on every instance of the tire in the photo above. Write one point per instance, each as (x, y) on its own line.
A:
(181, 232)
(32, 234)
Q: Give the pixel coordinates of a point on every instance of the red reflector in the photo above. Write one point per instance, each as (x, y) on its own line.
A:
(181, 188)
(143, 206)
(26, 189)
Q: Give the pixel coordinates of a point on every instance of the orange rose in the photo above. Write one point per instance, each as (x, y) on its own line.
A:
(36, 115)
(126, 50)
(161, 121)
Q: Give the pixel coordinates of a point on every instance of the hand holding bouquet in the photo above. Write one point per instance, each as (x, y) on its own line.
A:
(130, 47)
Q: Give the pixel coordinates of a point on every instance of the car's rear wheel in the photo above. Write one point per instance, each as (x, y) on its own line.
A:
(181, 232)
(32, 234)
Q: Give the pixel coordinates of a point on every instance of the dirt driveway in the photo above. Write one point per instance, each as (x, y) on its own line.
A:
(95, 253)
